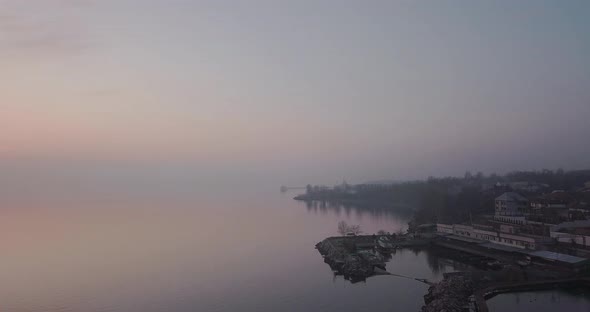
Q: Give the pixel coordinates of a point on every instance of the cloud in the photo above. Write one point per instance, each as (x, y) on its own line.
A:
(43, 28)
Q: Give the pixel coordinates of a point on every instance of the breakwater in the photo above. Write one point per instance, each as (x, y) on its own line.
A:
(484, 293)
(352, 256)
(453, 293)
(362, 256)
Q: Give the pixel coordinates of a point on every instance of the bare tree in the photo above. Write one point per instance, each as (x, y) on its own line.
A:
(342, 228)
(354, 229)
(381, 232)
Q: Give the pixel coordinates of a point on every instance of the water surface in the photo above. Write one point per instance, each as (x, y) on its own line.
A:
(570, 300)
(237, 251)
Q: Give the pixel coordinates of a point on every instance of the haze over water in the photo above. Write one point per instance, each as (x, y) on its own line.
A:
(143, 142)
(293, 91)
(222, 251)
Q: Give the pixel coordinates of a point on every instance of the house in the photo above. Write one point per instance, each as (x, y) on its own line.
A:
(510, 208)
(551, 208)
(575, 233)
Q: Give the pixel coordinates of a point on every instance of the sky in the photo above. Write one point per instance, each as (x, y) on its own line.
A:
(290, 92)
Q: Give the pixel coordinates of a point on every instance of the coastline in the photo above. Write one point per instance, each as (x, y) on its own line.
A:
(458, 291)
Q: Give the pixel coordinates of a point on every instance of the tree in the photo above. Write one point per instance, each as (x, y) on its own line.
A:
(354, 229)
(381, 232)
(342, 228)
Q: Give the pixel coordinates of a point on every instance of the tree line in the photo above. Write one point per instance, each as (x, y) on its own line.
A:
(449, 199)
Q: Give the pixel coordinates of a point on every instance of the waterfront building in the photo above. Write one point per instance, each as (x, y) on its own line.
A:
(564, 260)
(551, 208)
(510, 208)
(575, 233)
(484, 233)
(444, 228)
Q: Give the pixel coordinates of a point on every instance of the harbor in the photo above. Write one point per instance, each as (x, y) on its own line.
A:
(497, 270)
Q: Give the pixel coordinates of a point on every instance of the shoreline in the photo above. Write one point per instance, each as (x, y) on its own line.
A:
(350, 256)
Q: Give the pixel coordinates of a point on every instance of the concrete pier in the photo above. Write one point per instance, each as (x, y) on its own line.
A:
(481, 295)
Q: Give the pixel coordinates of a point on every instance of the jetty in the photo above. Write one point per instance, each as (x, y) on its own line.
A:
(361, 256)
(483, 294)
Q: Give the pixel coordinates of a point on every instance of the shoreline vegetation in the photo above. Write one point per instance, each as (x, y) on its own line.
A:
(447, 199)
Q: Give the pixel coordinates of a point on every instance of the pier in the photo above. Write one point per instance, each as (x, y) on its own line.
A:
(481, 295)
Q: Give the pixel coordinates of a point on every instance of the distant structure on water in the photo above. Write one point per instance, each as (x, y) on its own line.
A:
(288, 188)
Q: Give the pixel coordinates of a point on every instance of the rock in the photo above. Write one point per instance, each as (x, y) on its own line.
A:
(449, 295)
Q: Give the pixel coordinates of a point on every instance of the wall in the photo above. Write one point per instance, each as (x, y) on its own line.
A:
(444, 228)
(567, 238)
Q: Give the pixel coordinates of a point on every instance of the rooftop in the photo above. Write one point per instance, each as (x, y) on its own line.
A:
(463, 239)
(500, 247)
(511, 196)
(554, 256)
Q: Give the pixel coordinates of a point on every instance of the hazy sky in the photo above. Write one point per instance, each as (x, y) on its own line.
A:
(293, 91)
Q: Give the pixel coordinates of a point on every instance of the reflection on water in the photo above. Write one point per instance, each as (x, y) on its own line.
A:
(439, 263)
(192, 252)
(571, 300)
(374, 211)
(424, 264)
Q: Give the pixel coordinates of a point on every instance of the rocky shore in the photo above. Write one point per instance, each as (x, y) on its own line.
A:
(354, 266)
(358, 257)
(452, 294)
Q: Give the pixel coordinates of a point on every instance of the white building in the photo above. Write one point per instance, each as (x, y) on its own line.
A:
(489, 235)
(568, 232)
(510, 207)
(444, 228)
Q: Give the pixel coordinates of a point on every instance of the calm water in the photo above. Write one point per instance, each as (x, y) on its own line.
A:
(576, 300)
(170, 252)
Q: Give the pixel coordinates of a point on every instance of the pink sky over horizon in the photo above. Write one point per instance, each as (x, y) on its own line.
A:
(305, 91)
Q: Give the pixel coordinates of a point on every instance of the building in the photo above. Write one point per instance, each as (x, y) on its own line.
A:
(528, 187)
(444, 228)
(517, 245)
(510, 208)
(486, 233)
(576, 233)
(553, 258)
(551, 208)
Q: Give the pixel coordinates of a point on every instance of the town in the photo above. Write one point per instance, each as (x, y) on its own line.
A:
(547, 227)
(496, 212)
(533, 237)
